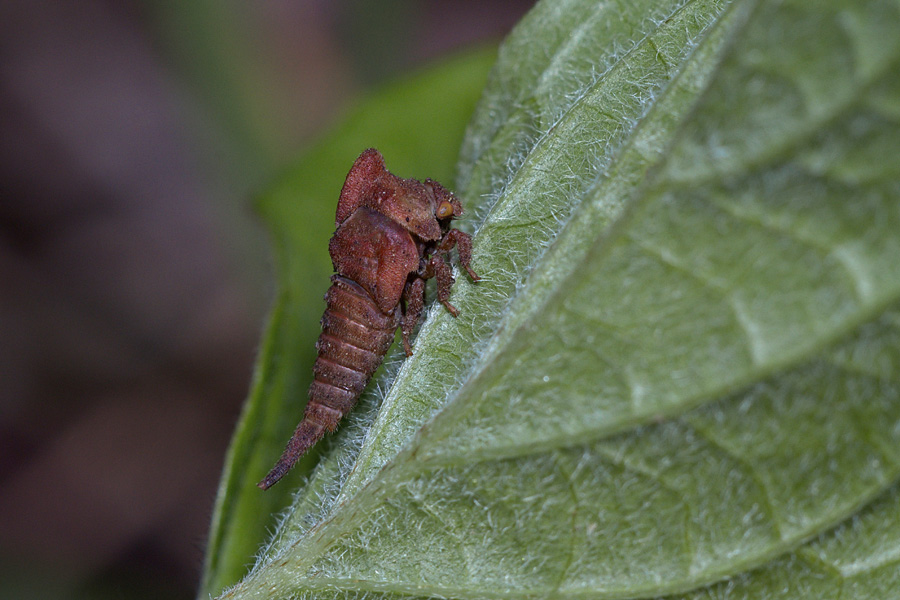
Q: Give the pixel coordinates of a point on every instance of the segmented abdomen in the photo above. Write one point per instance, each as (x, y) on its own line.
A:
(355, 337)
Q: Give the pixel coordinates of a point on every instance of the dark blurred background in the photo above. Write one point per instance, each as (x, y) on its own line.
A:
(134, 278)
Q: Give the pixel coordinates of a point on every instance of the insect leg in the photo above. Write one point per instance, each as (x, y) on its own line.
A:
(414, 296)
(445, 280)
(463, 243)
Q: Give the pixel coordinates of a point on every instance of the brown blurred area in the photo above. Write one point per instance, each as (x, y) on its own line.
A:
(134, 277)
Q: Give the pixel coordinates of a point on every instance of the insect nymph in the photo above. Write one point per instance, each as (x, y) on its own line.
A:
(392, 235)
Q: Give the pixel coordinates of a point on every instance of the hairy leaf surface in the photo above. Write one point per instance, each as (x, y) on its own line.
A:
(682, 364)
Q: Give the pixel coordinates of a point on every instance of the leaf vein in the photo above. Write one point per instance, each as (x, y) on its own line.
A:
(752, 337)
(748, 468)
(861, 287)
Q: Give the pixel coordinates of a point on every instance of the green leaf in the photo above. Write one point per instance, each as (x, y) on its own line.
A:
(418, 122)
(680, 373)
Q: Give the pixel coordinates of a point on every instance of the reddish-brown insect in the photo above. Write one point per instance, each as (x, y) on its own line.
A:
(392, 234)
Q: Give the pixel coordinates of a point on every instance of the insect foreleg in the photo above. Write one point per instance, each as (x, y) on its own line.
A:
(463, 243)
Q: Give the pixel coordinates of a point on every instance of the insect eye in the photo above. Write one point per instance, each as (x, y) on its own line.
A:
(444, 210)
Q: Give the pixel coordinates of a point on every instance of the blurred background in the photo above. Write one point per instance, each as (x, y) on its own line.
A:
(134, 277)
